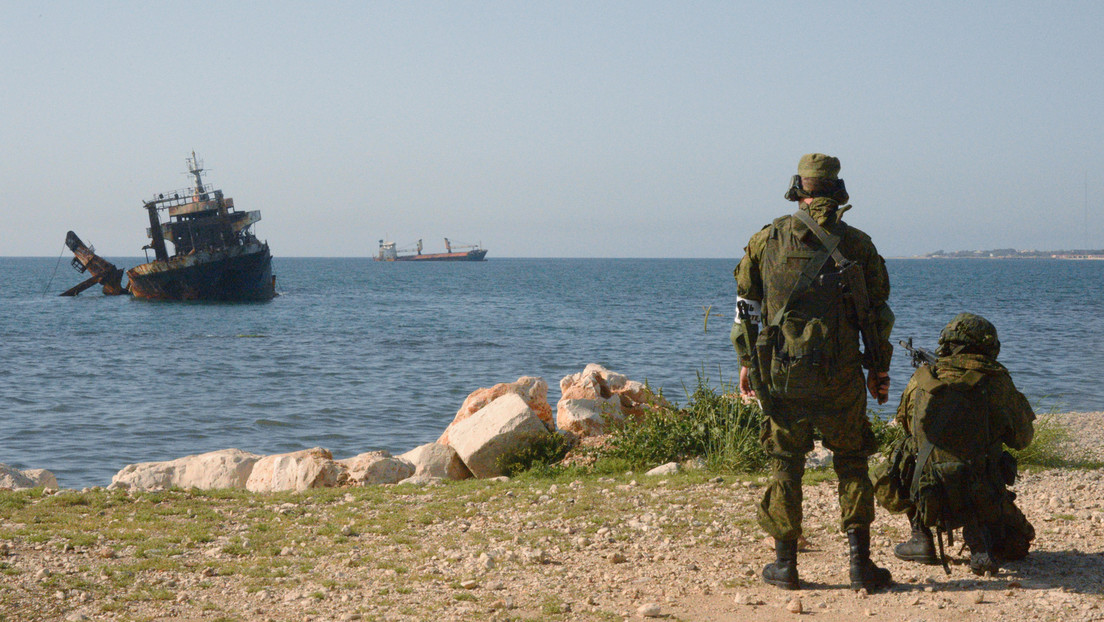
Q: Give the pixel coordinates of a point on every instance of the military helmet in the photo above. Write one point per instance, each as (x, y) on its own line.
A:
(971, 334)
(818, 165)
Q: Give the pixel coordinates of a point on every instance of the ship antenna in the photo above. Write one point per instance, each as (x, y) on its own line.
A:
(195, 167)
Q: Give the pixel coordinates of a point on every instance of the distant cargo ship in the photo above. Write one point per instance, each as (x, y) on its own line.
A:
(388, 251)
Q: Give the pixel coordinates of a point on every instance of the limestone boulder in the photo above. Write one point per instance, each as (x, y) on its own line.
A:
(437, 460)
(374, 467)
(225, 468)
(42, 477)
(502, 426)
(588, 400)
(588, 417)
(532, 389)
(819, 458)
(12, 478)
(297, 470)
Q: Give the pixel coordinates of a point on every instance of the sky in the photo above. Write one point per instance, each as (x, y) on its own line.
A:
(554, 129)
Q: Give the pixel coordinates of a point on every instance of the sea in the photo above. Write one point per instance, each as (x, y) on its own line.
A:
(356, 355)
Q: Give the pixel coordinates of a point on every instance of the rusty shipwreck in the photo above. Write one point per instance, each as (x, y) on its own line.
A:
(215, 256)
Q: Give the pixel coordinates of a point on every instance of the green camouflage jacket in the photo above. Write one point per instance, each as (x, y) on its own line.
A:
(855, 246)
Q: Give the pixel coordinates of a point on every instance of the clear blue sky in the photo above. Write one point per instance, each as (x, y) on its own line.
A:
(561, 129)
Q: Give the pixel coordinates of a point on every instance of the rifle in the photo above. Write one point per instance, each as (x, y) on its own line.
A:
(747, 314)
(920, 356)
(853, 276)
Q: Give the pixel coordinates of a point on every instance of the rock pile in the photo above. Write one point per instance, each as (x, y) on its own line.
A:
(14, 479)
(491, 423)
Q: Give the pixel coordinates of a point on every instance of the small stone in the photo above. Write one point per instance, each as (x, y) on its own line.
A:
(284, 552)
(469, 584)
(349, 617)
(486, 561)
(648, 610)
(794, 606)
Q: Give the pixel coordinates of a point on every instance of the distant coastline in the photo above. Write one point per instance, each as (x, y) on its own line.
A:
(1011, 253)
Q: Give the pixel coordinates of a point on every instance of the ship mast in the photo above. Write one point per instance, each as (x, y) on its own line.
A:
(195, 167)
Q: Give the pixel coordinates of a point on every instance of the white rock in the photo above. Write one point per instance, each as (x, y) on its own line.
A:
(437, 460)
(665, 469)
(649, 610)
(14, 479)
(819, 457)
(422, 480)
(42, 477)
(588, 416)
(225, 468)
(297, 470)
(503, 426)
(532, 389)
(374, 467)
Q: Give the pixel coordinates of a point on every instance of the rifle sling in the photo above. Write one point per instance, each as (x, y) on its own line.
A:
(815, 264)
(830, 242)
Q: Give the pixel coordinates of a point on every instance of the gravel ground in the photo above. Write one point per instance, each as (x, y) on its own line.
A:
(683, 547)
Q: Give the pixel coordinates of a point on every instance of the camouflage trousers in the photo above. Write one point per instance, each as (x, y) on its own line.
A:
(788, 435)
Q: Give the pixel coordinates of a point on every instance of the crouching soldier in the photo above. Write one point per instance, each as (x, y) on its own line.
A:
(951, 469)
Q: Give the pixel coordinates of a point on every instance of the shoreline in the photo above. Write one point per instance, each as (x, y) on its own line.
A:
(592, 548)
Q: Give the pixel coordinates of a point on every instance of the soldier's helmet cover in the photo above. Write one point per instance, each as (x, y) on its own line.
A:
(818, 165)
(969, 333)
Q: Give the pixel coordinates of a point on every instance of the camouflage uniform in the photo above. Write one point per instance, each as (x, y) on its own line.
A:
(841, 415)
(1010, 420)
(830, 395)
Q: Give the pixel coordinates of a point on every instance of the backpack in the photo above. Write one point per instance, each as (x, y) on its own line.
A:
(808, 319)
(950, 422)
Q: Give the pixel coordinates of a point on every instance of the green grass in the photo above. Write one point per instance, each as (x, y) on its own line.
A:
(1047, 448)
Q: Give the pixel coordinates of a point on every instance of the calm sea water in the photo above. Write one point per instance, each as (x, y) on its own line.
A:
(356, 355)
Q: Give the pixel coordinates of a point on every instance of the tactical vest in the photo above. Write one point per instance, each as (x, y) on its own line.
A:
(810, 333)
(954, 479)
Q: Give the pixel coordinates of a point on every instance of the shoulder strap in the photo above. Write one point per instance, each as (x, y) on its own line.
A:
(830, 242)
(812, 268)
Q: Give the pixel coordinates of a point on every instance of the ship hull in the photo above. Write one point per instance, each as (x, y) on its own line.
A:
(473, 255)
(234, 274)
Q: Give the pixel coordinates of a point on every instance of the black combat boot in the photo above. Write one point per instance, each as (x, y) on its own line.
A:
(864, 574)
(982, 558)
(920, 547)
(783, 571)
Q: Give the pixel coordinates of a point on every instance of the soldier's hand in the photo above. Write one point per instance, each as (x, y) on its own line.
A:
(746, 393)
(878, 385)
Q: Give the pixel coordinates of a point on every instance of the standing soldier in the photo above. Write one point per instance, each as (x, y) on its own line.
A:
(815, 285)
(958, 412)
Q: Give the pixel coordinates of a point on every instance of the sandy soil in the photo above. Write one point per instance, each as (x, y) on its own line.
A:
(624, 548)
